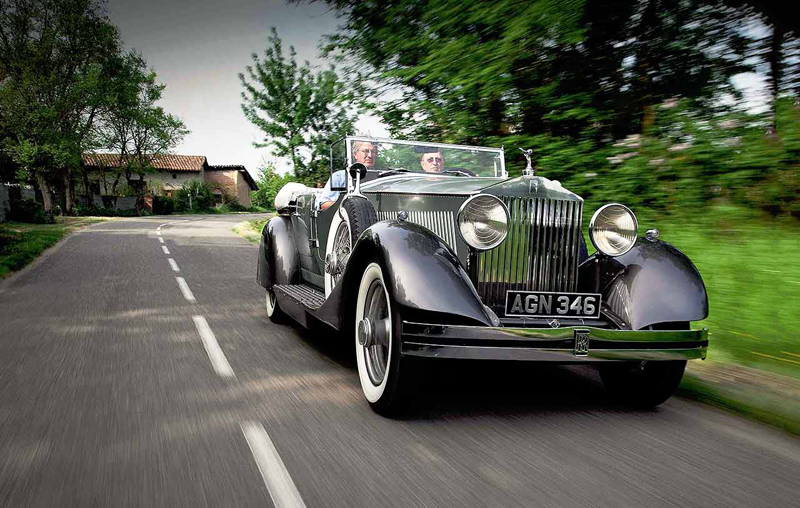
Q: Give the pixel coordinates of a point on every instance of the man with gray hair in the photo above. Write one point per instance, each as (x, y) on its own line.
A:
(364, 152)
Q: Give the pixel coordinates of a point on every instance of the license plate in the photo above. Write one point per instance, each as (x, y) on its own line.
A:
(547, 304)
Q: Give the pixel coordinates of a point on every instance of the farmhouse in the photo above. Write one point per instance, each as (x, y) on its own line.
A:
(106, 172)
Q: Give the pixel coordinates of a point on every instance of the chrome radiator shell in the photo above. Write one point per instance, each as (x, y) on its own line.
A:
(540, 252)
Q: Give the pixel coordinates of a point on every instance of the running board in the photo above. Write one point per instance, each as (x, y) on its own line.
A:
(309, 296)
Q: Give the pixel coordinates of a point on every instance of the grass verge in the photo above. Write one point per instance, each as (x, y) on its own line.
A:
(21, 243)
(251, 229)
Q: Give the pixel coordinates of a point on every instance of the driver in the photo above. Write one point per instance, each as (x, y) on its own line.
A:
(364, 152)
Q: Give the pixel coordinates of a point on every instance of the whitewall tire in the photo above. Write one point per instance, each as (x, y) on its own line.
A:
(388, 380)
(374, 358)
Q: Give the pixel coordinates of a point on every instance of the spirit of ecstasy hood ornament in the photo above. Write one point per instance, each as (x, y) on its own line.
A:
(529, 168)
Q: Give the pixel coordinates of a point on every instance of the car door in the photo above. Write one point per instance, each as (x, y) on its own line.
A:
(302, 224)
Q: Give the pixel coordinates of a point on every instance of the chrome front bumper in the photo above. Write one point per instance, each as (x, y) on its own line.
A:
(574, 344)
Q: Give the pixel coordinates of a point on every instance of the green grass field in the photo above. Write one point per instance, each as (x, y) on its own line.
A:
(749, 264)
(21, 243)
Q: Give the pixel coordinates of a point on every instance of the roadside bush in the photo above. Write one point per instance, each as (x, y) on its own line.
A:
(195, 196)
(101, 211)
(28, 210)
(269, 183)
(163, 205)
(236, 207)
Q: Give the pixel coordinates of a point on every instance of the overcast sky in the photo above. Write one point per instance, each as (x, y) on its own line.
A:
(197, 48)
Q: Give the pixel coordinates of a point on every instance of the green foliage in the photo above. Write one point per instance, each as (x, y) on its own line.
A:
(195, 195)
(28, 210)
(163, 205)
(269, 183)
(236, 207)
(133, 125)
(56, 60)
(81, 210)
(299, 109)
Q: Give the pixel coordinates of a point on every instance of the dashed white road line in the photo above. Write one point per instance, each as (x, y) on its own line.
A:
(187, 293)
(160, 239)
(158, 232)
(174, 265)
(215, 354)
(281, 488)
(165, 249)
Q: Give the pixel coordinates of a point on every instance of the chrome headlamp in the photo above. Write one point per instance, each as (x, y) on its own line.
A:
(613, 229)
(483, 221)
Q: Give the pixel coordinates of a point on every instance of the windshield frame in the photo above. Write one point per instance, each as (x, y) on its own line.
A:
(348, 141)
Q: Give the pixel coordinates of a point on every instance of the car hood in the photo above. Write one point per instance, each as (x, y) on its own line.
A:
(416, 183)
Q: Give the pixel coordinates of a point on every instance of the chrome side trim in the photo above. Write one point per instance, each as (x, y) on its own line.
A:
(440, 222)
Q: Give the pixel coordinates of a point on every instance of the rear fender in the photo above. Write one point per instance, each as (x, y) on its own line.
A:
(652, 283)
(278, 260)
(423, 274)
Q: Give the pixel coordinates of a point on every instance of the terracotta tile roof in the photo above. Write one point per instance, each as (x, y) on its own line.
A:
(166, 162)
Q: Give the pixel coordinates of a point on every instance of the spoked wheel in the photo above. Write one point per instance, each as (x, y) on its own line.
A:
(274, 313)
(384, 376)
(342, 247)
(354, 216)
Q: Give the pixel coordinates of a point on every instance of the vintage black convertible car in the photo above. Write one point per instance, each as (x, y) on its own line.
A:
(430, 250)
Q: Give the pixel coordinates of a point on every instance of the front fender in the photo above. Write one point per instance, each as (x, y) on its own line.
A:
(278, 261)
(652, 283)
(424, 275)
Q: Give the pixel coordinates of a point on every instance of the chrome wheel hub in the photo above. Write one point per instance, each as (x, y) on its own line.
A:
(366, 333)
(374, 332)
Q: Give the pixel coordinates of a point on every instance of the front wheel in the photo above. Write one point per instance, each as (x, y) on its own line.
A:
(644, 384)
(385, 376)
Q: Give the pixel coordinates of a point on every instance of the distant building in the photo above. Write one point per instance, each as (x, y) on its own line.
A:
(171, 172)
(235, 179)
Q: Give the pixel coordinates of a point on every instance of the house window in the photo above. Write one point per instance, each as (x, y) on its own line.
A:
(174, 176)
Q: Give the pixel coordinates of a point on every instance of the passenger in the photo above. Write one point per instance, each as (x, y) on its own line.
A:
(364, 152)
(431, 159)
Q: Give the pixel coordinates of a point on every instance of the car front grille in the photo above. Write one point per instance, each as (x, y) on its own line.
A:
(441, 223)
(540, 252)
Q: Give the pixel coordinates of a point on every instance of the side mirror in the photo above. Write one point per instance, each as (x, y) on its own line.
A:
(357, 167)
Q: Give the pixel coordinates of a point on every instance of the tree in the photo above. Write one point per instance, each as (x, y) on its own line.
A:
(134, 126)
(54, 56)
(269, 183)
(300, 110)
(550, 75)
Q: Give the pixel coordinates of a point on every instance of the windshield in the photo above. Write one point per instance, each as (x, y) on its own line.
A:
(390, 156)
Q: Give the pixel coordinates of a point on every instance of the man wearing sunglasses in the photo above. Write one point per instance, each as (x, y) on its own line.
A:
(431, 159)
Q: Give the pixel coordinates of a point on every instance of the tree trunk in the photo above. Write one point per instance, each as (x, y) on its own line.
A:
(69, 191)
(47, 198)
(775, 58)
(86, 190)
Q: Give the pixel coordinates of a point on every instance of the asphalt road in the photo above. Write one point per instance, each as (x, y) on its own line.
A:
(112, 393)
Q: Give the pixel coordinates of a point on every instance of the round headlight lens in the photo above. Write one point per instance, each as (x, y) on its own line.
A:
(613, 229)
(483, 222)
